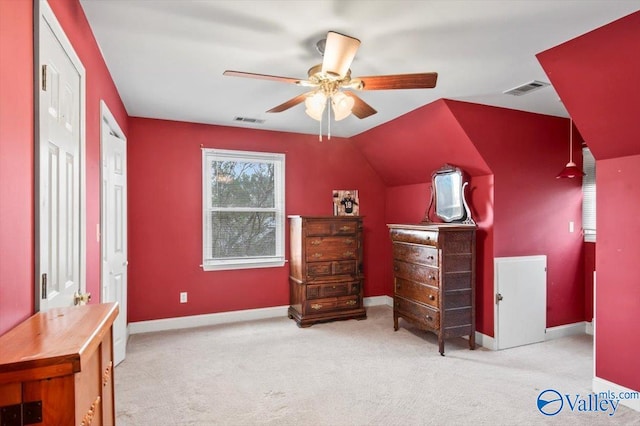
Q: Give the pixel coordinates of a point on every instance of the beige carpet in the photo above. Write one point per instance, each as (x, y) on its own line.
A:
(346, 373)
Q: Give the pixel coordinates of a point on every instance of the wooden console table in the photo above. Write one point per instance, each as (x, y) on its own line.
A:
(56, 368)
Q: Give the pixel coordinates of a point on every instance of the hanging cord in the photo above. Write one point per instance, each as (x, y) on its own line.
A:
(328, 118)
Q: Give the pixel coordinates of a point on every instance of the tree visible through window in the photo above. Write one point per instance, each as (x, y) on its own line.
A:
(243, 201)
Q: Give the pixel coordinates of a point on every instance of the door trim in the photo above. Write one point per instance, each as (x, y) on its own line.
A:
(43, 15)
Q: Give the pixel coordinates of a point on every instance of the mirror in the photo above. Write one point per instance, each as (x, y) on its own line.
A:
(447, 195)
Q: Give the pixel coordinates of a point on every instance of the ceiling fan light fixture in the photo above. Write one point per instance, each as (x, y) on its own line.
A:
(315, 104)
(342, 105)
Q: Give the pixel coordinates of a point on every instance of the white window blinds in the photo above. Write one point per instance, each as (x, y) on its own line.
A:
(589, 196)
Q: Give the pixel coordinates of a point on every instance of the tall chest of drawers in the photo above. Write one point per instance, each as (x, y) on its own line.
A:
(434, 278)
(325, 281)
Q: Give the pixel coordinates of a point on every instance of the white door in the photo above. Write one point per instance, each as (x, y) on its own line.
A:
(114, 231)
(59, 187)
(521, 300)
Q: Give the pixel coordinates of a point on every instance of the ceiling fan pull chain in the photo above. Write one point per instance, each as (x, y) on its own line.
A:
(328, 118)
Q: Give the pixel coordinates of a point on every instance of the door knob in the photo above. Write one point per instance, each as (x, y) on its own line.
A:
(81, 298)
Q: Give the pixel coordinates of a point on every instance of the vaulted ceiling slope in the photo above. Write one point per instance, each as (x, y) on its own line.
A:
(597, 78)
(480, 139)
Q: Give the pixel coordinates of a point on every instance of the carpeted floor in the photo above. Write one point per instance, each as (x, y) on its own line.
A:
(271, 372)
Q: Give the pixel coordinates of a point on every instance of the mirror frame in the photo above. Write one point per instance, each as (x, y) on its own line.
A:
(449, 181)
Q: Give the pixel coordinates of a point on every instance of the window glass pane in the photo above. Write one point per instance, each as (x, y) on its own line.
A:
(242, 184)
(246, 234)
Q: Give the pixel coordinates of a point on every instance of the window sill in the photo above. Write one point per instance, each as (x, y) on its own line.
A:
(230, 264)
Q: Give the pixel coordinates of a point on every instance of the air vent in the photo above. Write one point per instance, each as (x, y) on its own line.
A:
(526, 88)
(248, 120)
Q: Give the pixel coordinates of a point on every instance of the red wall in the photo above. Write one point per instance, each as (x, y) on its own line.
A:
(532, 209)
(589, 269)
(17, 141)
(521, 208)
(596, 75)
(617, 272)
(16, 163)
(165, 215)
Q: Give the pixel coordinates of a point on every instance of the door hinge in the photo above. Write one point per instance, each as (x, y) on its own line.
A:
(498, 298)
(43, 286)
(44, 77)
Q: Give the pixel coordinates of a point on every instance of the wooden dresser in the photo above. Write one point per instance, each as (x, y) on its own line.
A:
(326, 269)
(434, 278)
(56, 368)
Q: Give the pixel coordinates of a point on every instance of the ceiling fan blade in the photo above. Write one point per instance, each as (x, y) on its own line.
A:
(425, 80)
(290, 103)
(339, 52)
(360, 109)
(262, 76)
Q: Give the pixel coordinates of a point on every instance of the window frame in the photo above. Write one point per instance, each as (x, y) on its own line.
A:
(278, 160)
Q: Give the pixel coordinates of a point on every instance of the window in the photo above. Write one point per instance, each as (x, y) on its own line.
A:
(243, 209)
(589, 196)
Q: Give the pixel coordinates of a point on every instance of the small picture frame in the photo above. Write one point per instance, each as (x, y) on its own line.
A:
(346, 202)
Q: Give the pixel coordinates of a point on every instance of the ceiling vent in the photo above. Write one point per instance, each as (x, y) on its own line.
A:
(526, 88)
(248, 120)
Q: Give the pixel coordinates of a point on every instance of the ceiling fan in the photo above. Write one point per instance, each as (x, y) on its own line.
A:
(331, 81)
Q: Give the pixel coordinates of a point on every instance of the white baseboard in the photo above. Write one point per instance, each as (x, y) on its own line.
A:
(486, 341)
(378, 301)
(589, 328)
(228, 317)
(602, 385)
(566, 330)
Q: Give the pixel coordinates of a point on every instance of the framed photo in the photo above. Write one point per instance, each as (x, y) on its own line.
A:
(346, 202)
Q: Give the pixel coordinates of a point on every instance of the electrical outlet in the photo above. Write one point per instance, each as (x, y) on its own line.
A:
(570, 226)
(183, 297)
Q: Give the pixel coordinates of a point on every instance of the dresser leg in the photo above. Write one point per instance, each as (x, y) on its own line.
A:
(472, 341)
(395, 322)
(441, 345)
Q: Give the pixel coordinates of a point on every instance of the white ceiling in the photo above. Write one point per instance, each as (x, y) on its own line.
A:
(167, 56)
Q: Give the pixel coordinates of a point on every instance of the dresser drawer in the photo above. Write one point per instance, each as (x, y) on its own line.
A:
(418, 292)
(320, 291)
(429, 238)
(327, 269)
(421, 314)
(331, 248)
(328, 228)
(412, 253)
(418, 273)
(331, 304)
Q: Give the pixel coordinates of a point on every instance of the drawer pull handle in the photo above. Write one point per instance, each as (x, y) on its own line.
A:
(430, 257)
(348, 253)
(345, 228)
(351, 302)
(395, 268)
(432, 277)
(317, 255)
(316, 242)
(432, 297)
(428, 238)
(316, 306)
(348, 241)
(429, 318)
